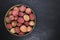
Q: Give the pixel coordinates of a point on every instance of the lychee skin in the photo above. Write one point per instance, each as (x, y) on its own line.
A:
(32, 17)
(29, 29)
(23, 28)
(21, 33)
(7, 20)
(21, 14)
(19, 24)
(16, 9)
(26, 17)
(17, 30)
(16, 18)
(20, 20)
(11, 17)
(14, 23)
(26, 23)
(12, 30)
(8, 26)
(31, 23)
(28, 11)
(15, 13)
(22, 8)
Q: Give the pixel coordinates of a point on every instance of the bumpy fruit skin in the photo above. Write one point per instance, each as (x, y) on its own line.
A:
(26, 17)
(7, 20)
(14, 23)
(15, 13)
(26, 23)
(28, 10)
(22, 8)
(8, 26)
(21, 33)
(12, 30)
(20, 20)
(16, 9)
(17, 29)
(32, 17)
(11, 17)
(29, 29)
(19, 24)
(16, 18)
(23, 28)
(21, 14)
(31, 23)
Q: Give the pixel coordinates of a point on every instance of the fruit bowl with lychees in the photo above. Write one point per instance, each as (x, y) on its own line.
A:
(20, 20)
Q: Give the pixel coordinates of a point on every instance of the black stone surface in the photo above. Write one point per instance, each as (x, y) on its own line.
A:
(47, 19)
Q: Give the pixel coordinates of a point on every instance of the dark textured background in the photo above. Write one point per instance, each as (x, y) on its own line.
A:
(47, 17)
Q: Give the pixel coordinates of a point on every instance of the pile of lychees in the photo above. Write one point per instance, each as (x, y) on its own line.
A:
(20, 20)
